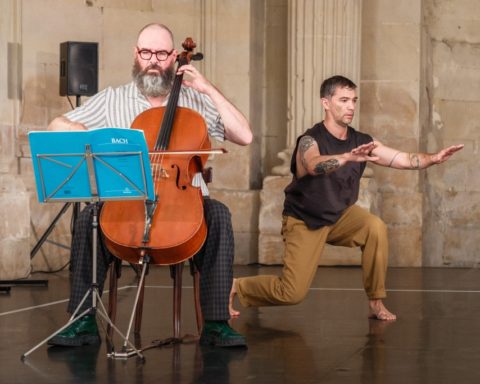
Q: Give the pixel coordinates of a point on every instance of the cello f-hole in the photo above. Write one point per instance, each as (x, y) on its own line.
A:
(177, 178)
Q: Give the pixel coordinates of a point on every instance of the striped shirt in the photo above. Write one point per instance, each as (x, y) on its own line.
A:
(118, 107)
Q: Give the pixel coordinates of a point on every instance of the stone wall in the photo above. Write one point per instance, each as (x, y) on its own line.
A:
(390, 100)
(452, 192)
(14, 207)
(419, 82)
(420, 93)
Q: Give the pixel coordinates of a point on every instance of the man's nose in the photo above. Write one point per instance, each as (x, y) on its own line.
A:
(154, 59)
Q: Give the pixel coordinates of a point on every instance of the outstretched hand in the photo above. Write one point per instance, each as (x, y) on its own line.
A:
(446, 153)
(363, 153)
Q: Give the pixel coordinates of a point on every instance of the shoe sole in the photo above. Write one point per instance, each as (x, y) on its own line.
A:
(76, 341)
(213, 341)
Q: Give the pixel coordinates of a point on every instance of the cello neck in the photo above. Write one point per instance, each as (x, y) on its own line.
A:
(167, 123)
(165, 132)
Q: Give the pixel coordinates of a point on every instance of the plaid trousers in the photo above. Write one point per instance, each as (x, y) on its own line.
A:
(214, 261)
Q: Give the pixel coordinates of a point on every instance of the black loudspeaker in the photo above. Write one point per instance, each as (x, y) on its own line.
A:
(78, 68)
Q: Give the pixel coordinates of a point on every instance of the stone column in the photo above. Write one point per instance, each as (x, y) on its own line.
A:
(224, 27)
(324, 40)
(14, 200)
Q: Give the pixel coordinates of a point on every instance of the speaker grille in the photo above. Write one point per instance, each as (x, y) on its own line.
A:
(78, 68)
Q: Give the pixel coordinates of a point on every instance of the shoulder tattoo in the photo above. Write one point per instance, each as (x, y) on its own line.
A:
(303, 146)
(305, 143)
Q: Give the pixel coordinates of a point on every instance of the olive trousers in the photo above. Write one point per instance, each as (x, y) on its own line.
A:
(303, 248)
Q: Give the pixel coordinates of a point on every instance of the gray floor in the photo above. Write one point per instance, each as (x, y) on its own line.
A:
(325, 339)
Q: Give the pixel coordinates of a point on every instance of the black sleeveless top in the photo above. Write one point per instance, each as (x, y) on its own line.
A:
(320, 200)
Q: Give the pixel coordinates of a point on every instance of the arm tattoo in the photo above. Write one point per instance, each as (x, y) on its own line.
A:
(414, 160)
(304, 144)
(393, 158)
(325, 167)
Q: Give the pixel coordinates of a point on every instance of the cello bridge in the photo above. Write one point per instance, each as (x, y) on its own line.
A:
(164, 174)
(158, 172)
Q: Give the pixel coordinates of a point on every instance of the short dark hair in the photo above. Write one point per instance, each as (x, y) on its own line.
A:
(328, 87)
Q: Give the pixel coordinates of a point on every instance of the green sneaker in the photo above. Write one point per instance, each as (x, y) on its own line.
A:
(220, 334)
(84, 331)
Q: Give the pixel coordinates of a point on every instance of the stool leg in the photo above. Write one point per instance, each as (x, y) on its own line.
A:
(176, 272)
(139, 309)
(112, 300)
(115, 274)
(196, 295)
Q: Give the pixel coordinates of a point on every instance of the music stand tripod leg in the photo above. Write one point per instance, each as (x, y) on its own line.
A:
(125, 352)
(70, 322)
(96, 299)
(97, 304)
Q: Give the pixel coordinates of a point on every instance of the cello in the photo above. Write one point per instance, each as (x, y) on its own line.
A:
(172, 228)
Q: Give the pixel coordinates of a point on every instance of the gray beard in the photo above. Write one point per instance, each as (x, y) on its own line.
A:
(153, 85)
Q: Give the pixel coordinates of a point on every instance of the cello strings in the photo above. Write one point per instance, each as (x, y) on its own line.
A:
(165, 130)
(169, 115)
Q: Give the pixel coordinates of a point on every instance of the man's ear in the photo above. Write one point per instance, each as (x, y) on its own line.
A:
(325, 103)
(174, 55)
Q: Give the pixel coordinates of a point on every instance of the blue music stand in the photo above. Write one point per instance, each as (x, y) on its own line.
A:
(91, 166)
(85, 166)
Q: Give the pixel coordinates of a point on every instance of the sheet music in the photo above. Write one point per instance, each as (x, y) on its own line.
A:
(117, 159)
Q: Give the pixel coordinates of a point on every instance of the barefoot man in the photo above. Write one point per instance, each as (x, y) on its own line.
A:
(327, 164)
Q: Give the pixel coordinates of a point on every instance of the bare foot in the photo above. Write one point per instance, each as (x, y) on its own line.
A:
(379, 312)
(233, 312)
